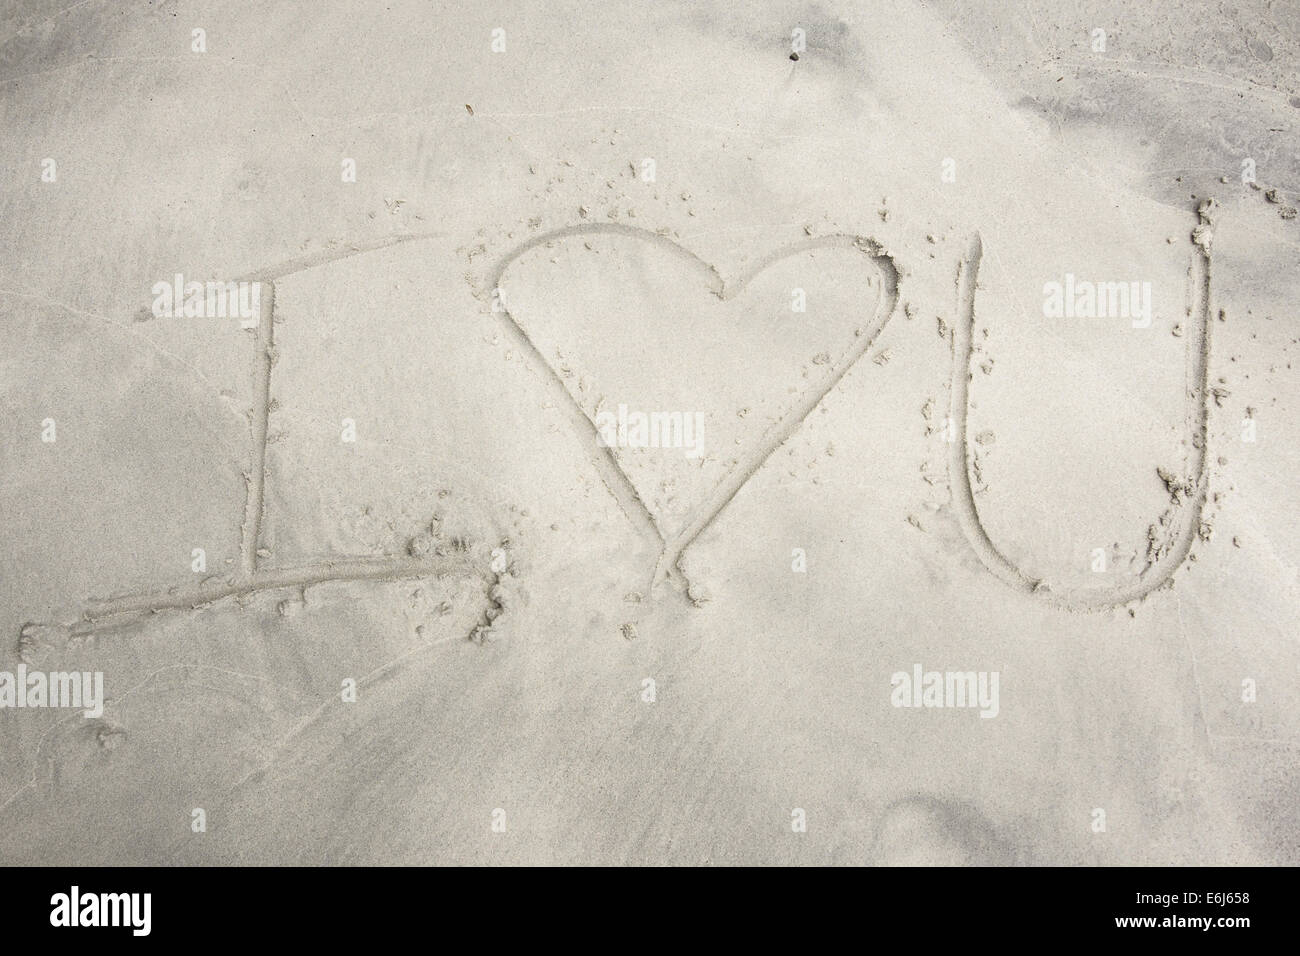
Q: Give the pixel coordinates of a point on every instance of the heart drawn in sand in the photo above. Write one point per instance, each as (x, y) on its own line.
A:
(684, 382)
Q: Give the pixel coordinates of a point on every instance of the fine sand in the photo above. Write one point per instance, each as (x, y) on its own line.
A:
(366, 579)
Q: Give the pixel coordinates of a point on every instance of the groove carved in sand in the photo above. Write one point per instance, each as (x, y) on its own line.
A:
(1159, 570)
(668, 550)
(125, 611)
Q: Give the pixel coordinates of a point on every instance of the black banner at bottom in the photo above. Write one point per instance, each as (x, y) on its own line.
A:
(983, 907)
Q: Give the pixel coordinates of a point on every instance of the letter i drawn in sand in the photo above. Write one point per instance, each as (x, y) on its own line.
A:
(126, 611)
